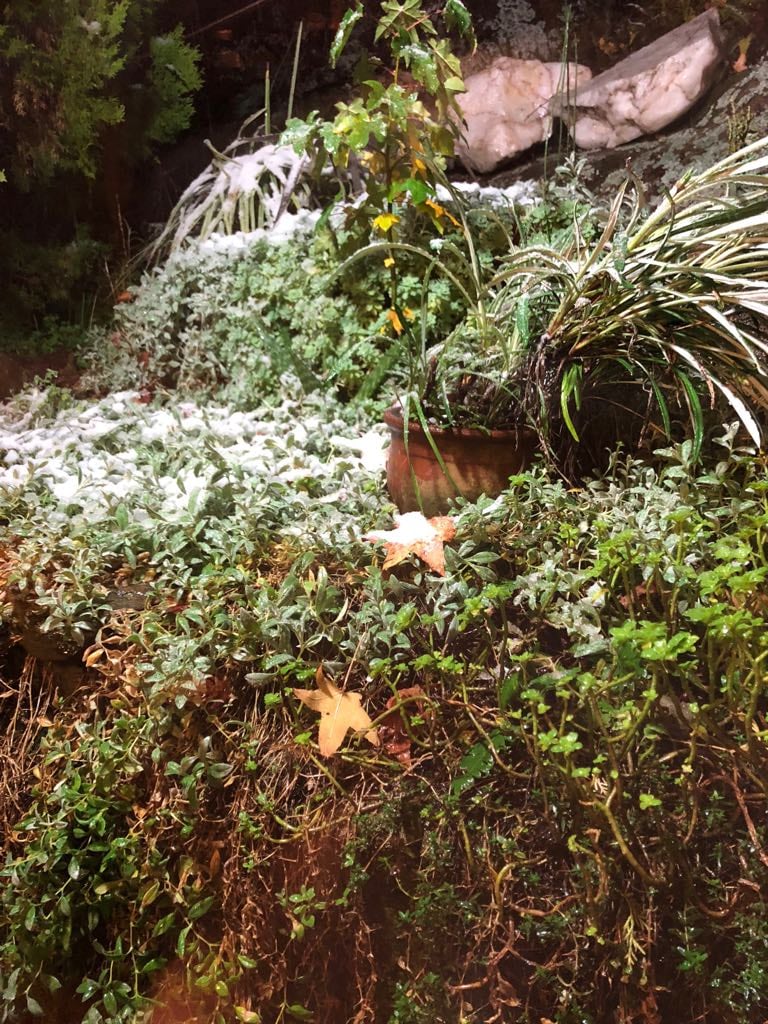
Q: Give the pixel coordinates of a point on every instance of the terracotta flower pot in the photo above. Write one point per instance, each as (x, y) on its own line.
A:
(476, 462)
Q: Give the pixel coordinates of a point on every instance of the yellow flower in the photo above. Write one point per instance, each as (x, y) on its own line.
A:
(389, 261)
(385, 221)
(419, 165)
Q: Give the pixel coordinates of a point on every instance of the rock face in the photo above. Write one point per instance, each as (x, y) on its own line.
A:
(736, 112)
(649, 89)
(506, 108)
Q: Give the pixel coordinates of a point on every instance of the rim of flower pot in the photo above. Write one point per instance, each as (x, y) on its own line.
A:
(394, 420)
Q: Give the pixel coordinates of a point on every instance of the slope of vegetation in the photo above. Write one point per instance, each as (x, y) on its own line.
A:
(564, 817)
(537, 788)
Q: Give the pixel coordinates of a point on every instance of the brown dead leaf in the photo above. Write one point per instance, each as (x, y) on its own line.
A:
(339, 712)
(394, 736)
(415, 535)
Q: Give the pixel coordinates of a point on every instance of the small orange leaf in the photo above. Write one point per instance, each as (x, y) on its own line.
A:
(395, 320)
(740, 64)
(339, 712)
(415, 535)
(214, 865)
(440, 211)
(395, 739)
(92, 655)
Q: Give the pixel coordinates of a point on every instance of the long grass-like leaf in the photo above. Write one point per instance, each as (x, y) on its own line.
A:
(695, 411)
(570, 389)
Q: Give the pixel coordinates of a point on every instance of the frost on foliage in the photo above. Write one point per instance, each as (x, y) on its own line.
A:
(167, 463)
(239, 199)
(520, 193)
(249, 190)
(289, 226)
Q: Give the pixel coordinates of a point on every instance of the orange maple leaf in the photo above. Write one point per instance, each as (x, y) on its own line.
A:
(415, 535)
(339, 712)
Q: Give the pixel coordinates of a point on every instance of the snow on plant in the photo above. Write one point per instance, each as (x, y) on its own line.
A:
(166, 462)
(519, 193)
(252, 189)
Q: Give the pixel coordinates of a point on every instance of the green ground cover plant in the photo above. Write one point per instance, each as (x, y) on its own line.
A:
(565, 816)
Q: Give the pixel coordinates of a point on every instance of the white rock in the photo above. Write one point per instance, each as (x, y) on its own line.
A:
(648, 90)
(506, 108)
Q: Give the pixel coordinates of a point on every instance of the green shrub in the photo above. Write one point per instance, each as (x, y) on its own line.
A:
(231, 315)
(70, 73)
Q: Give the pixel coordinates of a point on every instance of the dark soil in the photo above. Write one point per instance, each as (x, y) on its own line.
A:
(18, 370)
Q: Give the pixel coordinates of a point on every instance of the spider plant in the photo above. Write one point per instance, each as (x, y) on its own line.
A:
(249, 185)
(676, 300)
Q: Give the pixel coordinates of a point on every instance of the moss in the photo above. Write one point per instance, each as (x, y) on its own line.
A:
(518, 30)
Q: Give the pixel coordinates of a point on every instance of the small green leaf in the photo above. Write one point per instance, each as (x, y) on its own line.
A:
(201, 907)
(247, 1016)
(181, 941)
(299, 1012)
(163, 925)
(150, 894)
(648, 800)
(87, 988)
(121, 517)
(457, 16)
(34, 1007)
(219, 772)
(153, 965)
(455, 84)
(9, 994)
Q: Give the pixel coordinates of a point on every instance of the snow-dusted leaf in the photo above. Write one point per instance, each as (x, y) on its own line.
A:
(344, 31)
(416, 535)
